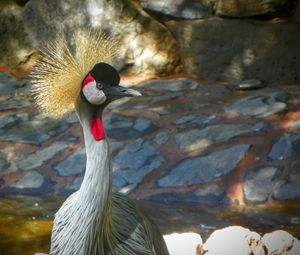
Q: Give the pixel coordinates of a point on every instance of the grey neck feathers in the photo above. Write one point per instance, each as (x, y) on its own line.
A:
(78, 222)
(96, 186)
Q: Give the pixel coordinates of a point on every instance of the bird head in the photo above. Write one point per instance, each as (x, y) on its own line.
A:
(101, 85)
(63, 79)
(62, 75)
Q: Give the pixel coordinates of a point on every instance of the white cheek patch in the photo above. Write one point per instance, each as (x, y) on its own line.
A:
(92, 94)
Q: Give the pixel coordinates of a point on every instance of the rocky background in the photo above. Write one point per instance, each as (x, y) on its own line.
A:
(218, 123)
(228, 40)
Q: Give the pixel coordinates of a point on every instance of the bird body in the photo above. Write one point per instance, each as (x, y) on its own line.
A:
(94, 220)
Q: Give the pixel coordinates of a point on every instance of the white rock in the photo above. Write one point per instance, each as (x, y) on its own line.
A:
(281, 242)
(233, 240)
(296, 248)
(183, 243)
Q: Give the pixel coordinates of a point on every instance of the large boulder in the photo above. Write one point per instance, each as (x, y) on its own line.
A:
(235, 49)
(184, 9)
(296, 16)
(146, 46)
(249, 8)
(14, 44)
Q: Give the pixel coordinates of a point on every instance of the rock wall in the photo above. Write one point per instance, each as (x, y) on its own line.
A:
(230, 40)
(147, 47)
(234, 40)
(14, 44)
(234, 50)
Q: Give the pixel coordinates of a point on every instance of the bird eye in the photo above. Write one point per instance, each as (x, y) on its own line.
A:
(99, 85)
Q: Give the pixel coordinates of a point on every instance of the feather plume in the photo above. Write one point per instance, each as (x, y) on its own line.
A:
(58, 72)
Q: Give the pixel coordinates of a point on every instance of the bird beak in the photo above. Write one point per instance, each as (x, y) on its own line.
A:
(119, 91)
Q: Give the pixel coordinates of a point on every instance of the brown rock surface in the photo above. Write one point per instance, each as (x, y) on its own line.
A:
(235, 50)
(14, 44)
(146, 46)
(249, 8)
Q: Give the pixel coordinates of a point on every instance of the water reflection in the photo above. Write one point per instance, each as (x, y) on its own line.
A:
(25, 224)
(26, 221)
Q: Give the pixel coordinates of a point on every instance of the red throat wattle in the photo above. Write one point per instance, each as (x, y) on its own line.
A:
(97, 128)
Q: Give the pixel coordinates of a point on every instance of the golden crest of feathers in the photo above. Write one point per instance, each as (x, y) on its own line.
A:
(58, 73)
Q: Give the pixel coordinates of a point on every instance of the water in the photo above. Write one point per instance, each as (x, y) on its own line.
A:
(26, 221)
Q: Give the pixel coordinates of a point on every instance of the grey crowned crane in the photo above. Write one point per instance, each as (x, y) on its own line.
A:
(94, 220)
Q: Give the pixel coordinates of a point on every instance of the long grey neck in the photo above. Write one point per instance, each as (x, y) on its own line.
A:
(96, 186)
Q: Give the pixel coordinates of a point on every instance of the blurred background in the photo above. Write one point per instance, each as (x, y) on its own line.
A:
(213, 142)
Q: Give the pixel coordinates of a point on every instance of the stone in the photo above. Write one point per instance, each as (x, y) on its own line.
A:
(168, 197)
(14, 104)
(7, 122)
(172, 85)
(14, 44)
(204, 198)
(204, 168)
(247, 85)
(295, 124)
(71, 187)
(135, 103)
(204, 49)
(253, 8)
(119, 121)
(134, 162)
(196, 139)
(259, 183)
(115, 146)
(211, 194)
(183, 243)
(139, 102)
(32, 180)
(179, 8)
(160, 110)
(288, 188)
(73, 164)
(239, 240)
(260, 103)
(121, 128)
(141, 124)
(9, 84)
(63, 126)
(183, 120)
(38, 158)
(70, 138)
(208, 90)
(25, 91)
(195, 120)
(162, 137)
(167, 107)
(165, 97)
(287, 146)
(3, 164)
(33, 129)
(281, 242)
(120, 103)
(295, 248)
(75, 185)
(72, 118)
(123, 20)
(32, 183)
